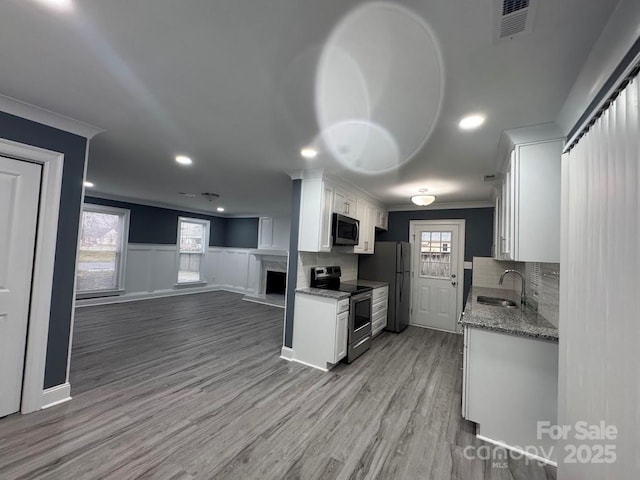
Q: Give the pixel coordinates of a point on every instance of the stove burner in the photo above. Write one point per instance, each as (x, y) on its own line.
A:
(328, 278)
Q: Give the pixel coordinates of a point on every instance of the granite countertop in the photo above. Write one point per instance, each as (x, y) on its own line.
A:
(322, 292)
(515, 321)
(367, 283)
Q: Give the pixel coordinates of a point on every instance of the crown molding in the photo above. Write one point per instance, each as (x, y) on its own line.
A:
(441, 206)
(47, 117)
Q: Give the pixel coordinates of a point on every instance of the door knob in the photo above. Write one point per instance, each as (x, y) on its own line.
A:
(453, 275)
(454, 283)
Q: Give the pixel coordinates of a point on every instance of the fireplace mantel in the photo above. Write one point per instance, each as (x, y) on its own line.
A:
(273, 253)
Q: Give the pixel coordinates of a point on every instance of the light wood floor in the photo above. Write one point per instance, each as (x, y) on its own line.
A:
(192, 387)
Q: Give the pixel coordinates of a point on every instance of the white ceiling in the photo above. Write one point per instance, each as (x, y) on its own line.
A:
(242, 86)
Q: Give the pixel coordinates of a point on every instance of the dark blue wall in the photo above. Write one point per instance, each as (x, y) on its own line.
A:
(478, 231)
(73, 147)
(241, 233)
(160, 225)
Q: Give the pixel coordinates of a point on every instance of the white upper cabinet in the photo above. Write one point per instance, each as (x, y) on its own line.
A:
(366, 237)
(344, 203)
(528, 217)
(316, 207)
(381, 218)
(320, 198)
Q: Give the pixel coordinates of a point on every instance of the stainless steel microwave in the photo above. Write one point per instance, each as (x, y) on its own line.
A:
(346, 230)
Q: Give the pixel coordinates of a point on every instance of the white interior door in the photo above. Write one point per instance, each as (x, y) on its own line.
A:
(435, 275)
(19, 196)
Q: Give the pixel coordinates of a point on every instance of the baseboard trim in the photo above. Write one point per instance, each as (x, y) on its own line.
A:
(56, 395)
(309, 365)
(517, 450)
(134, 297)
(286, 353)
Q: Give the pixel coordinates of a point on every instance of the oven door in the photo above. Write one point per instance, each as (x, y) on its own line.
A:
(360, 318)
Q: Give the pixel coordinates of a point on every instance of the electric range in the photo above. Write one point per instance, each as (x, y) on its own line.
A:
(360, 308)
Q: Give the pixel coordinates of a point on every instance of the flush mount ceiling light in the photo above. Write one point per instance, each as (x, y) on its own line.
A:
(471, 122)
(423, 200)
(309, 152)
(220, 209)
(183, 160)
(60, 5)
(89, 184)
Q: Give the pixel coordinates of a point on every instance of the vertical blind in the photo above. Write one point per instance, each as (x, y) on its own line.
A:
(600, 284)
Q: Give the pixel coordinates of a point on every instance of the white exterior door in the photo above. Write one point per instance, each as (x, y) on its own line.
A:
(19, 197)
(435, 275)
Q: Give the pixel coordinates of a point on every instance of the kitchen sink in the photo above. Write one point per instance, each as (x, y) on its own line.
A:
(497, 302)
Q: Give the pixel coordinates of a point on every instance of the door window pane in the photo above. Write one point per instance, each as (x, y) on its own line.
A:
(435, 254)
(101, 246)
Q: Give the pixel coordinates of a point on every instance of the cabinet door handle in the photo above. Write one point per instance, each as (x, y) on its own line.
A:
(454, 283)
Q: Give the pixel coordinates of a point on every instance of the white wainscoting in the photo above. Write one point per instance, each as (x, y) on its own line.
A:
(151, 271)
(232, 269)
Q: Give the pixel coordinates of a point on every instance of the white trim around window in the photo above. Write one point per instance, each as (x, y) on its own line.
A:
(193, 247)
(123, 232)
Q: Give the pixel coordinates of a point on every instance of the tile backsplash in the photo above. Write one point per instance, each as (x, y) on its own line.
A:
(348, 262)
(487, 271)
(543, 296)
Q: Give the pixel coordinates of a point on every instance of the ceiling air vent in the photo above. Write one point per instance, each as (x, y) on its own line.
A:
(513, 18)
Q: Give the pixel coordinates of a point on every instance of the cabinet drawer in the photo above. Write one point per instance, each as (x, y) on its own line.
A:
(343, 305)
(380, 293)
(377, 329)
(379, 306)
(380, 316)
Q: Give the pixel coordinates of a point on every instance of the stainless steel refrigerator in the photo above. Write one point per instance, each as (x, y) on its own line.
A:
(391, 263)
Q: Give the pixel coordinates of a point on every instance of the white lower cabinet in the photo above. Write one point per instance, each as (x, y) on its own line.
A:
(380, 299)
(510, 383)
(320, 330)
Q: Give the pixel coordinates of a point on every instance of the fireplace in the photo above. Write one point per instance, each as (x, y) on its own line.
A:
(276, 282)
(270, 281)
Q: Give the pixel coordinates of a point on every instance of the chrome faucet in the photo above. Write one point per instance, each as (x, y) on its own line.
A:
(523, 296)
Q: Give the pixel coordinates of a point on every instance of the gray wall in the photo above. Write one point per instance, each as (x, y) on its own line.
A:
(292, 267)
(74, 148)
(478, 231)
(160, 225)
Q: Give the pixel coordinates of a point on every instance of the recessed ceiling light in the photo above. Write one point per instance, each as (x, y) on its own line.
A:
(183, 160)
(220, 209)
(89, 184)
(61, 5)
(471, 121)
(309, 152)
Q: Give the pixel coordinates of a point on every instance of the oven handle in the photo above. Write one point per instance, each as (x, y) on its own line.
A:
(368, 324)
(361, 296)
(361, 342)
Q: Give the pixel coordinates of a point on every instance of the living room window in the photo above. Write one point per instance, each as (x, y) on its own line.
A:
(193, 240)
(103, 246)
